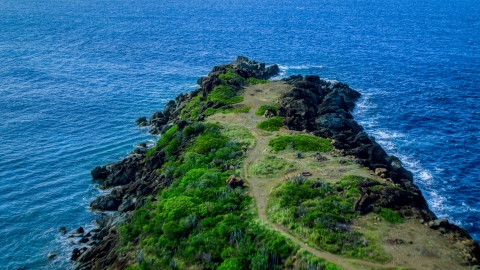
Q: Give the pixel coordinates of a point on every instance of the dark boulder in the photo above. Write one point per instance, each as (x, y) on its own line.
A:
(254, 69)
(123, 172)
(100, 172)
(269, 113)
(142, 121)
(156, 161)
(234, 182)
(293, 79)
(439, 223)
(126, 205)
(75, 254)
(169, 109)
(105, 203)
(83, 240)
(158, 119)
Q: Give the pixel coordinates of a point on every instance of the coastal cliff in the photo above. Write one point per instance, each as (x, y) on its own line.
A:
(255, 174)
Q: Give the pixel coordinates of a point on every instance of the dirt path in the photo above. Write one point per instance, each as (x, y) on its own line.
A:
(427, 249)
(259, 189)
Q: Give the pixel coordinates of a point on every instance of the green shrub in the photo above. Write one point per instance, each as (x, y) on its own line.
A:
(316, 212)
(189, 130)
(197, 220)
(256, 81)
(307, 261)
(205, 143)
(166, 139)
(272, 124)
(224, 95)
(263, 108)
(192, 109)
(230, 75)
(230, 264)
(390, 215)
(268, 166)
(211, 111)
(304, 143)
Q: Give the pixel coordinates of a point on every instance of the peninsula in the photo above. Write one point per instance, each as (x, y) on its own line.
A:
(255, 174)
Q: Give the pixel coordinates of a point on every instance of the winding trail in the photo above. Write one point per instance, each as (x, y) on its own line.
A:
(427, 249)
(259, 189)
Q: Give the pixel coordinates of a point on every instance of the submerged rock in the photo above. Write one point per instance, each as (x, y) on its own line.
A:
(62, 230)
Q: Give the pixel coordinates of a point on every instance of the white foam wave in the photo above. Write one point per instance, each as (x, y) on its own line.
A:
(389, 140)
(284, 69)
(301, 67)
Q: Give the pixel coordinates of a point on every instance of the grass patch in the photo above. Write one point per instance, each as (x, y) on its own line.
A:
(168, 142)
(316, 212)
(302, 143)
(272, 124)
(239, 134)
(224, 95)
(305, 260)
(192, 109)
(270, 166)
(230, 75)
(263, 108)
(212, 111)
(390, 215)
(256, 81)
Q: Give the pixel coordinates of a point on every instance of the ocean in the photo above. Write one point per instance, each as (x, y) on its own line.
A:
(75, 75)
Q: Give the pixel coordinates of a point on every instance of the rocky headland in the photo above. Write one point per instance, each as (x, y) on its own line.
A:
(255, 174)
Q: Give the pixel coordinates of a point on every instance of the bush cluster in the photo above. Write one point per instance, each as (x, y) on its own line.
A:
(317, 212)
(262, 109)
(224, 95)
(390, 215)
(198, 220)
(168, 142)
(271, 124)
(192, 109)
(229, 76)
(211, 111)
(256, 81)
(304, 143)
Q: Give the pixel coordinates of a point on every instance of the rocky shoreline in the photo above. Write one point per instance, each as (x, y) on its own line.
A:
(313, 105)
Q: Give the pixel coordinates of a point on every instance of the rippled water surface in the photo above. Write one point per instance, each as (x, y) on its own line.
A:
(74, 76)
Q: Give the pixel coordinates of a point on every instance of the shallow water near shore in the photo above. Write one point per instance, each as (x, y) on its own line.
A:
(75, 75)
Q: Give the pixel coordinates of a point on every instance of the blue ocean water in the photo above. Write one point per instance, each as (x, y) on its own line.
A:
(74, 76)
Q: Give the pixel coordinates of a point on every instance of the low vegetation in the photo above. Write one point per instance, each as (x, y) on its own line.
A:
(262, 109)
(192, 109)
(272, 124)
(229, 76)
(390, 215)
(198, 221)
(321, 213)
(269, 166)
(168, 142)
(211, 111)
(304, 143)
(256, 81)
(224, 95)
(306, 260)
